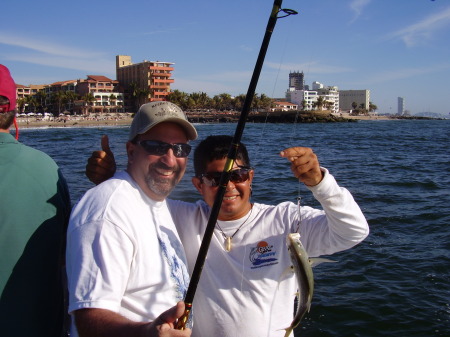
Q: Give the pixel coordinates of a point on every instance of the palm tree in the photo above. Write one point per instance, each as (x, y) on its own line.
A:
(225, 101)
(239, 102)
(319, 103)
(31, 102)
(328, 105)
(304, 104)
(204, 100)
(59, 98)
(134, 91)
(199, 100)
(216, 102)
(112, 100)
(179, 98)
(255, 103)
(143, 96)
(265, 102)
(41, 97)
(21, 104)
(88, 100)
(71, 97)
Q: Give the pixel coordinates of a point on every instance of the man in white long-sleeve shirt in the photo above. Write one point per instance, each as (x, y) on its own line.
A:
(242, 289)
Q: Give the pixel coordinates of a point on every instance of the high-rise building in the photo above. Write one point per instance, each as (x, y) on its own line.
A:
(143, 82)
(400, 106)
(297, 80)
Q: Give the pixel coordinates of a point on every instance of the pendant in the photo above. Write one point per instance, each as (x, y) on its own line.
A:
(227, 243)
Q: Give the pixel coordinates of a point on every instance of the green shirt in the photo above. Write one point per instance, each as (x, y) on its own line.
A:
(34, 212)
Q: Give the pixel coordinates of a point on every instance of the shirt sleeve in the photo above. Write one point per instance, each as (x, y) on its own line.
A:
(94, 281)
(339, 226)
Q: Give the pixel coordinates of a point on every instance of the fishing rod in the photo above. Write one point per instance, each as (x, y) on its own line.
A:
(231, 157)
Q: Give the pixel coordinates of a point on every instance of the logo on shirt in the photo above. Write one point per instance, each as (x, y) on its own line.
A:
(263, 255)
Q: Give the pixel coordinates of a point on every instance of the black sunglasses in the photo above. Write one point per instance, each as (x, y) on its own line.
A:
(239, 175)
(157, 148)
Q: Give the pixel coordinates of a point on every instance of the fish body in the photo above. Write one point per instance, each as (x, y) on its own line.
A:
(302, 268)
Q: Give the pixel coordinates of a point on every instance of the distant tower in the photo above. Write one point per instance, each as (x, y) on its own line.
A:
(297, 80)
(401, 106)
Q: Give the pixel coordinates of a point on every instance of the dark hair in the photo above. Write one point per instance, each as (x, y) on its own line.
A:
(4, 100)
(6, 119)
(216, 147)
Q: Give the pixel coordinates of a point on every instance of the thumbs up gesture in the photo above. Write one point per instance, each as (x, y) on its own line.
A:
(101, 165)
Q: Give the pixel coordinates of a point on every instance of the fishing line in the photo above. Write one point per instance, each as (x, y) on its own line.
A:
(288, 36)
(294, 125)
(299, 184)
(291, 142)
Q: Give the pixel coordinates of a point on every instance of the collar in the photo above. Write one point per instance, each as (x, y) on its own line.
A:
(6, 137)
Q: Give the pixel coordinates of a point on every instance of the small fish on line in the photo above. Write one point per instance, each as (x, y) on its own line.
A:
(302, 267)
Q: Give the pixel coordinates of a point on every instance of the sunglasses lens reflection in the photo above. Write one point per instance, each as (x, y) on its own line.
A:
(236, 176)
(158, 148)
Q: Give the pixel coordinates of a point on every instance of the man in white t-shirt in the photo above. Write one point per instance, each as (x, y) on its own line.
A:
(125, 263)
(242, 290)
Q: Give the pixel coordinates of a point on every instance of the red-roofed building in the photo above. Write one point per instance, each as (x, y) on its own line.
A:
(284, 106)
(96, 83)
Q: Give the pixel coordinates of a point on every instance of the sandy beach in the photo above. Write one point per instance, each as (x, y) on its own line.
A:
(32, 122)
(122, 120)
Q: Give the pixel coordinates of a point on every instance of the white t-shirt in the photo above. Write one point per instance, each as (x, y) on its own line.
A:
(114, 258)
(242, 292)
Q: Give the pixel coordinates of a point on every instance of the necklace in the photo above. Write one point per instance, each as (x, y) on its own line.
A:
(227, 239)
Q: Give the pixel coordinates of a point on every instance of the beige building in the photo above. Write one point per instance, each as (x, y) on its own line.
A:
(143, 82)
(24, 91)
(347, 97)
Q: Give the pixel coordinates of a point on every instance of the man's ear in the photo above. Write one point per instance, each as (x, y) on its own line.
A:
(197, 184)
(251, 175)
(131, 149)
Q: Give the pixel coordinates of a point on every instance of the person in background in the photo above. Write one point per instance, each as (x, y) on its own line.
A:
(242, 278)
(34, 212)
(125, 262)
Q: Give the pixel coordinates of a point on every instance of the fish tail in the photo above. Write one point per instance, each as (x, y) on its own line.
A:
(288, 331)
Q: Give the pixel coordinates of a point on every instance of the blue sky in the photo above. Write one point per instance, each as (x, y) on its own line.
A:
(391, 47)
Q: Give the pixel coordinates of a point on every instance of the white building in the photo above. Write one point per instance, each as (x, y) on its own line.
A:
(317, 85)
(400, 106)
(330, 98)
(305, 99)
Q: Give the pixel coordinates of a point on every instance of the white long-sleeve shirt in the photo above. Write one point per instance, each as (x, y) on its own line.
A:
(242, 292)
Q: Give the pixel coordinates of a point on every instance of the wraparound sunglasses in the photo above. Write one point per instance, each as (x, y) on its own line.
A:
(157, 148)
(237, 176)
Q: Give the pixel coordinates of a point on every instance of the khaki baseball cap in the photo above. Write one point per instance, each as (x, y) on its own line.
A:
(153, 113)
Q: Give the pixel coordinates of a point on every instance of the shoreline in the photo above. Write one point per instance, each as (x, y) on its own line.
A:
(26, 123)
(32, 122)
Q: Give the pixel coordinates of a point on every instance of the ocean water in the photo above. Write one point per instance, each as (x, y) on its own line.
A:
(395, 283)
